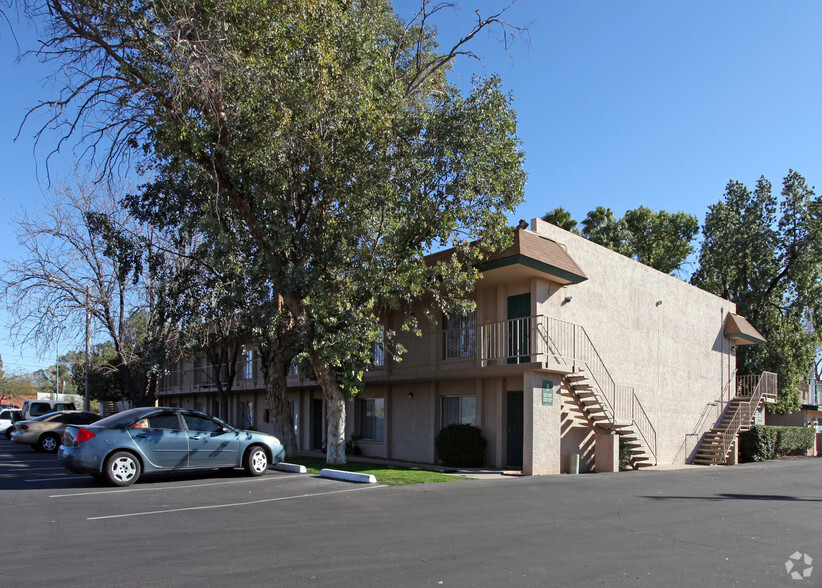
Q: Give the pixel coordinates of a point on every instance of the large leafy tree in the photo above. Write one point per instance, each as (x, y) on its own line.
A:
(764, 253)
(321, 137)
(660, 239)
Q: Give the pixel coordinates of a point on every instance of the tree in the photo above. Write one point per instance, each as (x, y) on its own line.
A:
(661, 240)
(322, 139)
(602, 227)
(85, 252)
(765, 254)
(561, 218)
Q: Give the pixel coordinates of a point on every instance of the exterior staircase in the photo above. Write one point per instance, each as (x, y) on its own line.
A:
(600, 401)
(599, 412)
(751, 392)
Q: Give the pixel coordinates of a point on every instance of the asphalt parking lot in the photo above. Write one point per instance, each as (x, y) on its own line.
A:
(698, 527)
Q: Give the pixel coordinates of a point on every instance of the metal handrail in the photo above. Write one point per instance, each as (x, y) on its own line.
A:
(765, 384)
(621, 402)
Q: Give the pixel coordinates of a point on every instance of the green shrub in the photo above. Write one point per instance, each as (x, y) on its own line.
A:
(795, 440)
(461, 446)
(624, 456)
(763, 442)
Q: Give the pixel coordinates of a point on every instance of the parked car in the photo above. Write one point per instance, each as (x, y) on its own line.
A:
(45, 432)
(36, 408)
(121, 447)
(9, 416)
(12, 406)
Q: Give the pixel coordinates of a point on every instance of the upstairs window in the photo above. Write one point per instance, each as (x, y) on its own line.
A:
(459, 336)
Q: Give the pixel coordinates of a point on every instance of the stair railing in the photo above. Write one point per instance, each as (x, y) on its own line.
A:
(619, 403)
(750, 390)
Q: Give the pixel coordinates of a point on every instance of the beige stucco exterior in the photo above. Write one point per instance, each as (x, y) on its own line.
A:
(654, 333)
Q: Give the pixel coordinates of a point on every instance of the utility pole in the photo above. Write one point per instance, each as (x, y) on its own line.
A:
(88, 347)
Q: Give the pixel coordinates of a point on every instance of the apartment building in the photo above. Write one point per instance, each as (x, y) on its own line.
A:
(572, 348)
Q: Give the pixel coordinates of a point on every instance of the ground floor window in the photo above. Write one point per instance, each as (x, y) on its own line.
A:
(372, 419)
(458, 410)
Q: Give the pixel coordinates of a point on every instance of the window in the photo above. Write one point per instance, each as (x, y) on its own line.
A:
(247, 371)
(378, 352)
(372, 419)
(163, 421)
(174, 379)
(198, 423)
(458, 410)
(459, 336)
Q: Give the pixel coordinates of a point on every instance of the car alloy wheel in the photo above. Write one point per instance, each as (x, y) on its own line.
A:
(122, 469)
(256, 461)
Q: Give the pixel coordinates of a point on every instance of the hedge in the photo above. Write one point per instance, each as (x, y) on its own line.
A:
(461, 446)
(764, 442)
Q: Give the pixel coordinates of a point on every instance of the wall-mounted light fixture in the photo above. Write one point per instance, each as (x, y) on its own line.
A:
(659, 302)
(733, 347)
(567, 299)
(522, 224)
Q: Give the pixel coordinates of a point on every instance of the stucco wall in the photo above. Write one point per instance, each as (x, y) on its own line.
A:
(653, 331)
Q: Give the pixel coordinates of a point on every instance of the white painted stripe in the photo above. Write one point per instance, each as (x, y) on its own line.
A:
(153, 488)
(213, 506)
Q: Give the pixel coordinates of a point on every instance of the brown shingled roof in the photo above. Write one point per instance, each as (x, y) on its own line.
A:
(534, 251)
(741, 332)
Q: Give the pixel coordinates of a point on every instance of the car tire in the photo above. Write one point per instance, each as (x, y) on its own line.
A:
(121, 469)
(255, 461)
(48, 443)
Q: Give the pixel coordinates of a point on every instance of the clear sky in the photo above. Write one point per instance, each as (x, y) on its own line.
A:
(620, 103)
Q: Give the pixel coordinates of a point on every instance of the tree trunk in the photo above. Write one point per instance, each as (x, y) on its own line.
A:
(275, 374)
(335, 412)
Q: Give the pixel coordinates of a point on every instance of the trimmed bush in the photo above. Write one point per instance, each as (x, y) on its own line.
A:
(763, 442)
(461, 446)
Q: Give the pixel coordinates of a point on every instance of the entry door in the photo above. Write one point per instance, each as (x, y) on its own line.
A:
(317, 423)
(519, 328)
(515, 428)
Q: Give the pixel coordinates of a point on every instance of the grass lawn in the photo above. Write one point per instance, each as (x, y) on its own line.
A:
(385, 474)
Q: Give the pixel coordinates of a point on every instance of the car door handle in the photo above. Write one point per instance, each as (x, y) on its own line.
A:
(195, 438)
(142, 436)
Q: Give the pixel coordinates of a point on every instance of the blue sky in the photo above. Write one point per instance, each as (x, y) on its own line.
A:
(620, 103)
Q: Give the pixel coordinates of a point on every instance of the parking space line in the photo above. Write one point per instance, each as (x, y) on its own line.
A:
(123, 490)
(229, 505)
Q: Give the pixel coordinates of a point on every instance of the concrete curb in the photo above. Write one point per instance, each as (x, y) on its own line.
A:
(348, 476)
(289, 467)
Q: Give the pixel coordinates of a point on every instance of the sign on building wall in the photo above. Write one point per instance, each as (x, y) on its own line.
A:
(547, 393)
